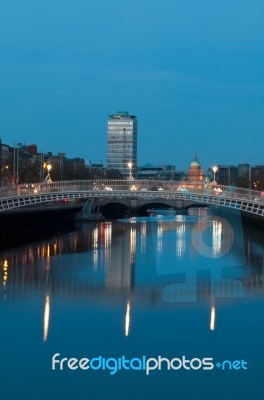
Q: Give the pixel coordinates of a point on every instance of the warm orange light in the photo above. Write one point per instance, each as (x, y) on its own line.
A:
(48, 250)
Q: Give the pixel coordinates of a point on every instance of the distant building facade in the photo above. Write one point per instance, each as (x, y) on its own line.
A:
(241, 175)
(226, 174)
(166, 172)
(257, 177)
(122, 143)
(195, 171)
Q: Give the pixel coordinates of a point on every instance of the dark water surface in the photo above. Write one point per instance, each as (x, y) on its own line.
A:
(175, 286)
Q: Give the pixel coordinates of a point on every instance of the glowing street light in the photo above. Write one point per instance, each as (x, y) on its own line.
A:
(129, 164)
(214, 171)
(48, 178)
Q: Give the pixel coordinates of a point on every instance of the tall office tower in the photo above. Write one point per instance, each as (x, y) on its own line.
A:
(122, 143)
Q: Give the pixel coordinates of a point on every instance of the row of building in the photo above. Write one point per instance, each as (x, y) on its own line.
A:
(122, 155)
(21, 163)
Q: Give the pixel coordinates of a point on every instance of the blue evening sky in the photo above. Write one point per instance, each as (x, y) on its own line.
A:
(191, 70)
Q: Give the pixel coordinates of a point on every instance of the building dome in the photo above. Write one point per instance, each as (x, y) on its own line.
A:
(195, 163)
(195, 171)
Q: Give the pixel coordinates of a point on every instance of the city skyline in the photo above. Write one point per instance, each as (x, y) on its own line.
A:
(34, 150)
(191, 72)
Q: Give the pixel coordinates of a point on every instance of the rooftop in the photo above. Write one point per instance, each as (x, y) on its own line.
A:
(122, 114)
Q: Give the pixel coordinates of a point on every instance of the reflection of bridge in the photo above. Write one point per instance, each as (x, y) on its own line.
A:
(109, 266)
(102, 270)
(138, 193)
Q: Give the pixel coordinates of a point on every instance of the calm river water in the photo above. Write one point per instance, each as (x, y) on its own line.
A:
(184, 287)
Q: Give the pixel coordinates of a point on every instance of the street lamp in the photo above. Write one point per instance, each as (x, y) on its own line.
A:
(48, 178)
(214, 171)
(16, 163)
(6, 177)
(129, 164)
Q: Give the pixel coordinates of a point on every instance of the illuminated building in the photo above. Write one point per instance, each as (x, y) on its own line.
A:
(195, 171)
(122, 143)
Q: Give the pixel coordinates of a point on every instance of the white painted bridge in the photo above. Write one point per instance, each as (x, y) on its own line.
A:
(24, 195)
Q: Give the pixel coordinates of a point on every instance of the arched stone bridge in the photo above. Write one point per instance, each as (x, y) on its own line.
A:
(134, 192)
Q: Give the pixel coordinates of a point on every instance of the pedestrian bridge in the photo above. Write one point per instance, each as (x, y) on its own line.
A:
(122, 191)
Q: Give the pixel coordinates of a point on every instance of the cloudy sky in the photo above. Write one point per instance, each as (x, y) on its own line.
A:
(191, 70)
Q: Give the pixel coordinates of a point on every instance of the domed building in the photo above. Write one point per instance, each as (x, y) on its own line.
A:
(195, 171)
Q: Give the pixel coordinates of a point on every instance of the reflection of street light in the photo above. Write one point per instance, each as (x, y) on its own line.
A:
(46, 318)
(212, 319)
(127, 325)
(129, 164)
(214, 171)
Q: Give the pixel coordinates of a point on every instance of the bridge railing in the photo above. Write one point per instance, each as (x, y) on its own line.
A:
(132, 185)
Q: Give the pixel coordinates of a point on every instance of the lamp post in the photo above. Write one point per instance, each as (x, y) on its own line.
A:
(214, 171)
(130, 177)
(41, 172)
(16, 163)
(249, 179)
(48, 178)
(6, 174)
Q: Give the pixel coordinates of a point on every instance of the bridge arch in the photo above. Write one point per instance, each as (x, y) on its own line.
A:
(115, 209)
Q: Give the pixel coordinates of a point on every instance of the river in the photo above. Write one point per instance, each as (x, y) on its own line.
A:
(185, 288)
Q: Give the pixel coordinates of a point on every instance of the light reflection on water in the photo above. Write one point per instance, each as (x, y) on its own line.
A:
(169, 259)
(163, 265)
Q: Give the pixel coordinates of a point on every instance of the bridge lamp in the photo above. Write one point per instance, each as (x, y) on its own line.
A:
(214, 171)
(6, 171)
(129, 164)
(48, 179)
